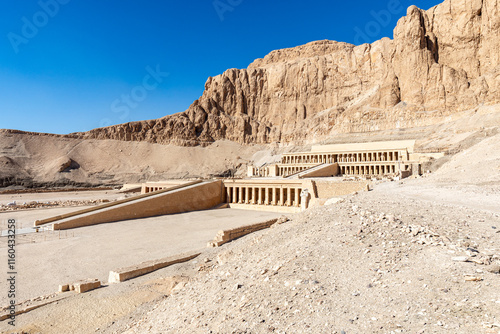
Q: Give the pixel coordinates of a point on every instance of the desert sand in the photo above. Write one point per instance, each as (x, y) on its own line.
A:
(413, 256)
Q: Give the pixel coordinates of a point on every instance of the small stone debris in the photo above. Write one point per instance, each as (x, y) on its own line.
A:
(473, 279)
(494, 269)
(12, 206)
(81, 286)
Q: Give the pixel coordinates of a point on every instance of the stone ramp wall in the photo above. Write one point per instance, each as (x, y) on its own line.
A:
(201, 196)
(333, 189)
(322, 171)
(107, 205)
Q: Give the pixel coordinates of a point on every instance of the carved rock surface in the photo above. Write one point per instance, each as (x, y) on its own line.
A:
(441, 61)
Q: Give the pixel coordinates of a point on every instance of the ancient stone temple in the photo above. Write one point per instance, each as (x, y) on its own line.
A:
(389, 158)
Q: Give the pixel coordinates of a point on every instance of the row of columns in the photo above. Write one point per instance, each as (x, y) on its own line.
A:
(368, 169)
(262, 171)
(308, 158)
(345, 157)
(151, 189)
(369, 156)
(285, 171)
(262, 195)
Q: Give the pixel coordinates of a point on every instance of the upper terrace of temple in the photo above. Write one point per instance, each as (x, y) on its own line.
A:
(362, 152)
(375, 158)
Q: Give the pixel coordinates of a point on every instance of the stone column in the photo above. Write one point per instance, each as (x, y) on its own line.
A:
(254, 195)
(304, 199)
(267, 196)
(289, 196)
(247, 195)
(235, 195)
(297, 197)
(273, 200)
(228, 195)
(281, 202)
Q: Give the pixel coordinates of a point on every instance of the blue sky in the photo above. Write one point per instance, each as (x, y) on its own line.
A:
(74, 65)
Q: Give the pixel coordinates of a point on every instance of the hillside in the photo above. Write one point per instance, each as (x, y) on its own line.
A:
(441, 62)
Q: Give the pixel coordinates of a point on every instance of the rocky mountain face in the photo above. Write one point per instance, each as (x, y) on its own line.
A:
(440, 62)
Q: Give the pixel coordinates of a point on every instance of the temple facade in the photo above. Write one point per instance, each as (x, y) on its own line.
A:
(364, 159)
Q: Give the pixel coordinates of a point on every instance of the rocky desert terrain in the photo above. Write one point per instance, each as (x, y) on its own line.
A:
(419, 255)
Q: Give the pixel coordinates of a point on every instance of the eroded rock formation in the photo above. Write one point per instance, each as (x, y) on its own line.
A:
(441, 61)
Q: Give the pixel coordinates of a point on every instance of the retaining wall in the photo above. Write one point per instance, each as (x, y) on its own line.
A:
(193, 198)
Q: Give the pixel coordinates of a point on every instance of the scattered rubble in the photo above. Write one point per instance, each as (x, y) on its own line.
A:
(13, 206)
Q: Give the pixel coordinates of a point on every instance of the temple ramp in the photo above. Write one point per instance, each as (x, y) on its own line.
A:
(185, 198)
(321, 170)
(110, 204)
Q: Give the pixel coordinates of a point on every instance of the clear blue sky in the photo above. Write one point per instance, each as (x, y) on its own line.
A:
(68, 65)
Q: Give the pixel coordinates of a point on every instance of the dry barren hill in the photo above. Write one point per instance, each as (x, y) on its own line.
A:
(32, 160)
(436, 81)
(441, 62)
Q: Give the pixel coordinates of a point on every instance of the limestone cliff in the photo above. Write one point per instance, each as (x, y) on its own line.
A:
(441, 61)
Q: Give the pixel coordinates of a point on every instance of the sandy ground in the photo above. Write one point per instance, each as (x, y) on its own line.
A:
(380, 262)
(415, 256)
(48, 259)
(383, 261)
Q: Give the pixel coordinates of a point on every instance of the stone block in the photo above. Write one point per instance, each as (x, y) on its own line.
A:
(86, 285)
(64, 288)
(147, 267)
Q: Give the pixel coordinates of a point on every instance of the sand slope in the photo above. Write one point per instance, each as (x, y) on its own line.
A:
(50, 158)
